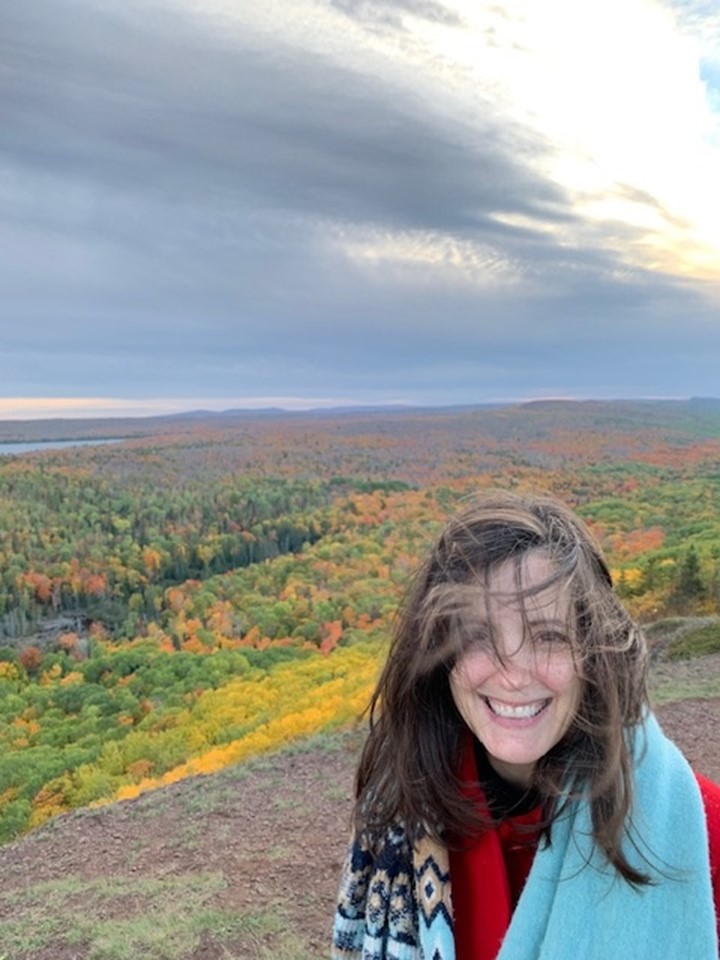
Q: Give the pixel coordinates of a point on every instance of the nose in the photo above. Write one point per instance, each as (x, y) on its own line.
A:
(515, 668)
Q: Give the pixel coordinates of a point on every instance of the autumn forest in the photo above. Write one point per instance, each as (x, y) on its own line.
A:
(209, 588)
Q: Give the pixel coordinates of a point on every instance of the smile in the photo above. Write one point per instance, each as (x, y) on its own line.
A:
(519, 711)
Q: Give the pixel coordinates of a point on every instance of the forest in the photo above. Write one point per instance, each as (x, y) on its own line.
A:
(210, 588)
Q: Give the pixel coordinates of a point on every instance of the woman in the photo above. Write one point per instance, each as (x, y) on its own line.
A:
(516, 798)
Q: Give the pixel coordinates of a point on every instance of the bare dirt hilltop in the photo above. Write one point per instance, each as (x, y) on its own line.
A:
(242, 865)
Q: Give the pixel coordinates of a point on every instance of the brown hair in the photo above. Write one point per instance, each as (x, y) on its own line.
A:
(408, 768)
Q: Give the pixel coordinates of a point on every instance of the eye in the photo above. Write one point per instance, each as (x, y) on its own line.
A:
(480, 639)
(550, 636)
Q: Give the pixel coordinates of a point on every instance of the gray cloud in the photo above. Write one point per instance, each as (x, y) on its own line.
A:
(390, 12)
(166, 198)
(151, 109)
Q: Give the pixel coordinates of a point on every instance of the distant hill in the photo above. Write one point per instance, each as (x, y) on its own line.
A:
(17, 431)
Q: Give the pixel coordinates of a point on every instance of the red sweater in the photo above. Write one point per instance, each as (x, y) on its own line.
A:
(518, 850)
(711, 798)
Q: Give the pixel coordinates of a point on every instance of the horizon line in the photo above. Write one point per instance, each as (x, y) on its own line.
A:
(112, 408)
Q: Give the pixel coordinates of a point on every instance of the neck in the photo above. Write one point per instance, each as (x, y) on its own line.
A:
(518, 774)
(505, 796)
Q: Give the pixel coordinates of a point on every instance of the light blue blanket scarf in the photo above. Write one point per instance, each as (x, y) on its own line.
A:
(574, 905)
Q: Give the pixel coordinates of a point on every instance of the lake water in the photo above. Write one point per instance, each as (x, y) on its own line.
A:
(10, 449)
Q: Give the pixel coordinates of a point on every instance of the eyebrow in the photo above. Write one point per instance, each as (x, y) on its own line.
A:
(542, 621)
(562, 625)
(487, 622)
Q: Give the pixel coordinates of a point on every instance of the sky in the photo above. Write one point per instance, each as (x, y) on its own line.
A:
(227, 203)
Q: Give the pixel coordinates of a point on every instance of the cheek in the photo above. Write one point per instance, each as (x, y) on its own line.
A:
(462, 694)
(568, 687)
(469, 672)
(558, 674)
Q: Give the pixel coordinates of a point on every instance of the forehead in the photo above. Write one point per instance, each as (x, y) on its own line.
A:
(523, 586)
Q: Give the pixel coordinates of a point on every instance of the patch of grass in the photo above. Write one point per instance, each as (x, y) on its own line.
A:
(665, 628)
(134, 850)
(695, 643)
(124, 918)
(335, 792)
(169, 937)
(274, 853)
(682, 680)
(215, 795)
(348, 738)
(288, 947)
(667, 691)
(671, 627)
(679, 648)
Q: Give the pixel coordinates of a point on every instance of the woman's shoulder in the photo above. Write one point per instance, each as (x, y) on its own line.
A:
(709, 789)
(710, 793)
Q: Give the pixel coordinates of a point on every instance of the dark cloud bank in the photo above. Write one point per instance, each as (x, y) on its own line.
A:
(169, 195)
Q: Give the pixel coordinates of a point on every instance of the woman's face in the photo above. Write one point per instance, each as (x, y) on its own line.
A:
(520, 704)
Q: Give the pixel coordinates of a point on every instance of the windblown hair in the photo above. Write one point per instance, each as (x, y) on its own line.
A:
(409, 766)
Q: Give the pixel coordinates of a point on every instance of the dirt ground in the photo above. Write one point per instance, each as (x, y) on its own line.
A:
(275, 830)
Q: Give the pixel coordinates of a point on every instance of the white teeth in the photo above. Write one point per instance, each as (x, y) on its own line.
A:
(521, 711)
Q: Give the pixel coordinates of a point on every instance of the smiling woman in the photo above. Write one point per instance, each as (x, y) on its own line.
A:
(516, 798)
(519, 694)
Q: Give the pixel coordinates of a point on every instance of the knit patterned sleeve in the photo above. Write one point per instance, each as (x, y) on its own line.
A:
(376, 916)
